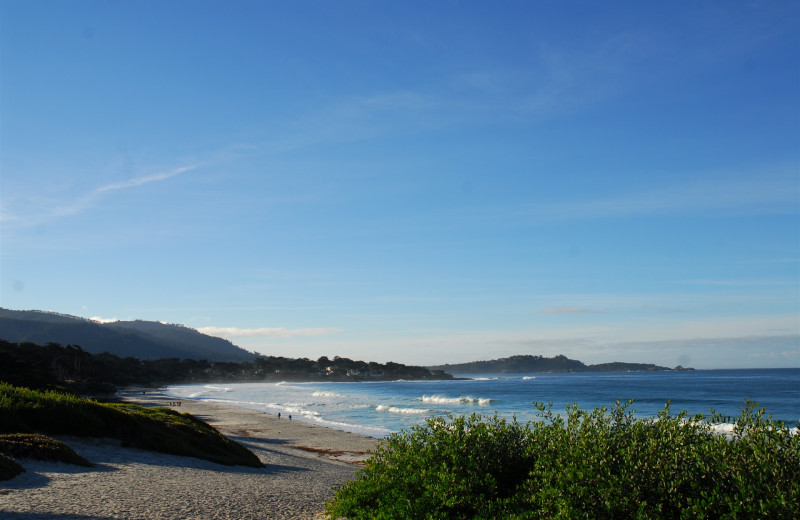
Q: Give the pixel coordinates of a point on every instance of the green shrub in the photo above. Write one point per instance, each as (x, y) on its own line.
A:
(35, 446)
(9, 468)
(25, 410)
(588, 464)
(613, 465)
(456, 468)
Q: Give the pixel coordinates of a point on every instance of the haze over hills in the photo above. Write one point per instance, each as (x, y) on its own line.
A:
(523, 364)
(139, 339)
(156, 340)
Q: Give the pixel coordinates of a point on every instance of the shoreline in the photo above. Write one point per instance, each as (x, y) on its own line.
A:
(363, 430)
(244, 424)
(302, 462)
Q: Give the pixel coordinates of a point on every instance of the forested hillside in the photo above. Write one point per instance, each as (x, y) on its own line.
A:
(139, 339)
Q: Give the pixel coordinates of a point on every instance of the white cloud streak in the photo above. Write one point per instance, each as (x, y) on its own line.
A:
(268, 332)
(85, 202)
(140, 181)
(99, 319)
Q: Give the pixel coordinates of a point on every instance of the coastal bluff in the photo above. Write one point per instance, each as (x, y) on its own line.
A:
(531, 364)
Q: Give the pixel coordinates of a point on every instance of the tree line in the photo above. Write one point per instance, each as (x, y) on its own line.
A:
(70, 367)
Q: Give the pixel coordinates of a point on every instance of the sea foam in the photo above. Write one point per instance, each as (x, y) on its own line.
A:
(218, 388)
(320, 393)
(443, 399)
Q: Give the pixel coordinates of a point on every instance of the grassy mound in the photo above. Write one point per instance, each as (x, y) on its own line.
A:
(9, 468)
(596, 464)
(40, 447)
(158, 429)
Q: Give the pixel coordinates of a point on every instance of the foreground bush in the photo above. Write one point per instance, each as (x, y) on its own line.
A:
(589, 464)
(463, 468)
(158, 429)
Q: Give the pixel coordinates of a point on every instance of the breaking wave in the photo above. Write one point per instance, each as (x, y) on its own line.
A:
(396, 409)
(320, 393)
(466, 399)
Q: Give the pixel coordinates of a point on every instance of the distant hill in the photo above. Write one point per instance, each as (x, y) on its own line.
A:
(523, 364)
(139, 339)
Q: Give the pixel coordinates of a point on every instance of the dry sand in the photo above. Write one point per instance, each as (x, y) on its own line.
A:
(303, 463)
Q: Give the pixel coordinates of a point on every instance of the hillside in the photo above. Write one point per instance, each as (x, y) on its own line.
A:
(139, 339)
(523, 364)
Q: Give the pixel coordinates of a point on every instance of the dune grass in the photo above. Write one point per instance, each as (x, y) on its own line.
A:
(157, 429)
(40, 447)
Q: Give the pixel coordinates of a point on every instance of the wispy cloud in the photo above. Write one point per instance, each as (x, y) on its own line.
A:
(743, 283)
(558, 79)
(358, 118)
(398, 101)
(568, 310)
(93, 197)
(82, 203)
(763, 189)
(268, 332)
(704, 352)
(663, 309)
(765, 193)
(140, 181)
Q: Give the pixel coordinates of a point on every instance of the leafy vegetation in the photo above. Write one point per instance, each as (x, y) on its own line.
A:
(589, 464)
(158, 429)
(41, 447)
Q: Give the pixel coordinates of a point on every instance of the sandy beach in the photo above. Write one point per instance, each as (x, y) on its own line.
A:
(302, 464)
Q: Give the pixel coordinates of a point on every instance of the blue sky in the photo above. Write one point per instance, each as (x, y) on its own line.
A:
(421, 182)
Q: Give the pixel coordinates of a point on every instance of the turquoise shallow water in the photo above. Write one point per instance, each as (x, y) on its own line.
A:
(380, 408)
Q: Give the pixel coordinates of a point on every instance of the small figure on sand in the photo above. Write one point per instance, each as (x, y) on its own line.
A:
(279, 415)
(290, 417)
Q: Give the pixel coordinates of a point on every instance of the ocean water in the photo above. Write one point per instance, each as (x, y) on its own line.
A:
(380, 408)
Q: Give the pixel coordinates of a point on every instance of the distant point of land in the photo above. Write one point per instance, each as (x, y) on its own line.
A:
(560, 363)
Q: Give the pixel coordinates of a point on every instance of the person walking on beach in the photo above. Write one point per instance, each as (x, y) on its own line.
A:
(279, 415)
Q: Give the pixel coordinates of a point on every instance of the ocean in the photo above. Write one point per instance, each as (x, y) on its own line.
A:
(380, 408)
